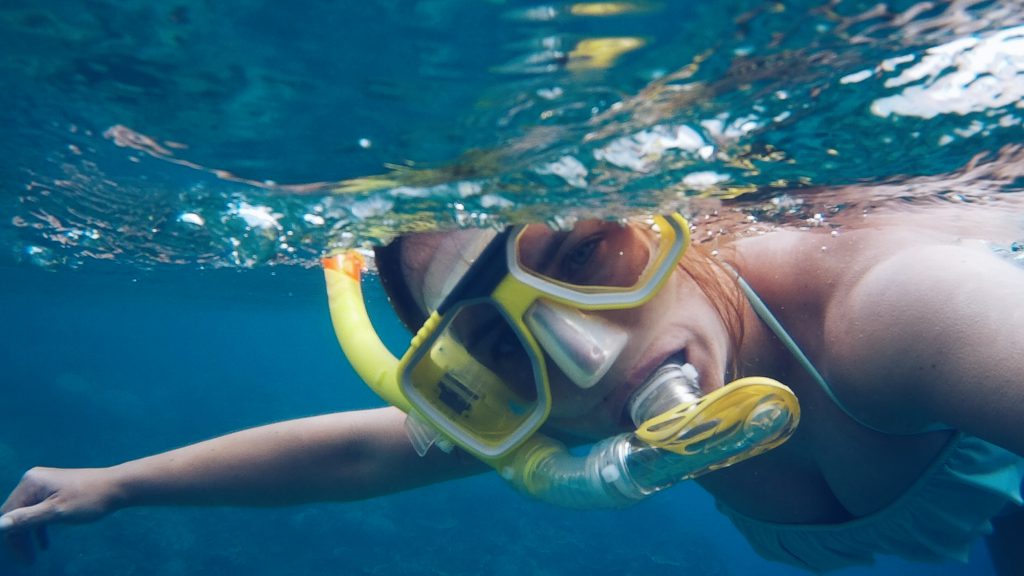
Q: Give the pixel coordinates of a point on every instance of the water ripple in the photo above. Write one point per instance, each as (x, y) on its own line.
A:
(189, 138)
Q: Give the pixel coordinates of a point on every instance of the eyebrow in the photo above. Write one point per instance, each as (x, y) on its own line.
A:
(551, 251)
(480, 331)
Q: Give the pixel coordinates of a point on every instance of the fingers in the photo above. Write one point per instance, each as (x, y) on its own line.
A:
(28, 516)
(25, 513)
(32, 489)
(21, 525)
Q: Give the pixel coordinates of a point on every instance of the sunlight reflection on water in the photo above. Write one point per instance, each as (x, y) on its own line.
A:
(576, 109)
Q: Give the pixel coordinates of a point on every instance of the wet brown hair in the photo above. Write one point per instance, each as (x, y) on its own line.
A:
(719, 286)
(391, 270)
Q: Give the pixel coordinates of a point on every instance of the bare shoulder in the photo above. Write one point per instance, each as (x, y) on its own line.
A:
(925, 330)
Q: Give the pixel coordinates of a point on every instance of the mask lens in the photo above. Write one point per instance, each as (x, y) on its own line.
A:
(478, 378)
(594, 255)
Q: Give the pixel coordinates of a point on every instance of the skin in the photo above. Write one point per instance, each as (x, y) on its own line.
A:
(910, 322)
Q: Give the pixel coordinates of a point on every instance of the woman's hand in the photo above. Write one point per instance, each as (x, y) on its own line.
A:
(47, 495)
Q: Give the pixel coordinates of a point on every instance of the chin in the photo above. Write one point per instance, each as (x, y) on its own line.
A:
(587, 428)
(710, 376)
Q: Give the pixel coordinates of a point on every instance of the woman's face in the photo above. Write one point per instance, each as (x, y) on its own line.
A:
(680, 319)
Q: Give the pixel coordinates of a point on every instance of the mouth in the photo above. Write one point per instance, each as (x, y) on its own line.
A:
(670, 382)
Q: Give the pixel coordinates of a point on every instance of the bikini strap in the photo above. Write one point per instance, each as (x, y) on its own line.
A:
(775, 326)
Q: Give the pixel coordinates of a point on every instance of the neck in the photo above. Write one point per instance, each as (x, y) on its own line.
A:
(761, 352)
(782, 313)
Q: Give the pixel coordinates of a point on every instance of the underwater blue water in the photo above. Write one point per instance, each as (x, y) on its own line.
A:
(171, 172)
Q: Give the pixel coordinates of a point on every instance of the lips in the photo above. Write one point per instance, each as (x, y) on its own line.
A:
(673, 384)
(617, 401)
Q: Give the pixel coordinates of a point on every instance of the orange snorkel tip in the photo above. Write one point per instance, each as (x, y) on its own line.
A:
(350, 263)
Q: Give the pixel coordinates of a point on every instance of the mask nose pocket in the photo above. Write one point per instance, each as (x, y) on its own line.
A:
(584, 346)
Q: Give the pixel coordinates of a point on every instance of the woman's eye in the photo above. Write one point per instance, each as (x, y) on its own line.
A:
(505, 346)
(578, 259)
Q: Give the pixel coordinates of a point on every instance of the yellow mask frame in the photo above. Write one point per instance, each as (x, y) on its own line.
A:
(412, 382)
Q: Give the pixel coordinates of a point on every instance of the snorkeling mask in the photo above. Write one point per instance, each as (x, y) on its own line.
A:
(475, 374)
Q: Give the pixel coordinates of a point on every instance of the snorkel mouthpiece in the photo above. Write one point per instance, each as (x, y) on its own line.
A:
(687, 439)
(671, 385)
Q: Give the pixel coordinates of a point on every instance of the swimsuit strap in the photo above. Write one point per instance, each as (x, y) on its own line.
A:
(775, 326)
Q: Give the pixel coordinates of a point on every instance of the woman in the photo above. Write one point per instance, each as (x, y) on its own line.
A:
(906, 339)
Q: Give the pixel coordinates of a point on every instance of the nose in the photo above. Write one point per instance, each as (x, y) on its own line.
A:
(584, 346)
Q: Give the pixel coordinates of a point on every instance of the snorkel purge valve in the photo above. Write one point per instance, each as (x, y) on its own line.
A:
(679, 435)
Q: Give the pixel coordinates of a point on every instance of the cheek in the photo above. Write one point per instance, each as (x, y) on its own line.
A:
(680, 311)
(569, 400)
(660, 317)
(683, 302)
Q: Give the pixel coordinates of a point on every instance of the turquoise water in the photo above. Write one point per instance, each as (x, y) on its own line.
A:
(172, 173)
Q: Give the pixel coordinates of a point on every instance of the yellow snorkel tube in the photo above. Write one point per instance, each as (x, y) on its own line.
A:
(678, 436)
(369, 356)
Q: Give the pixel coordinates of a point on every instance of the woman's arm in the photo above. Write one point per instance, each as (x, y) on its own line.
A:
(335, 457)
(343, 456)
(936, 334)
